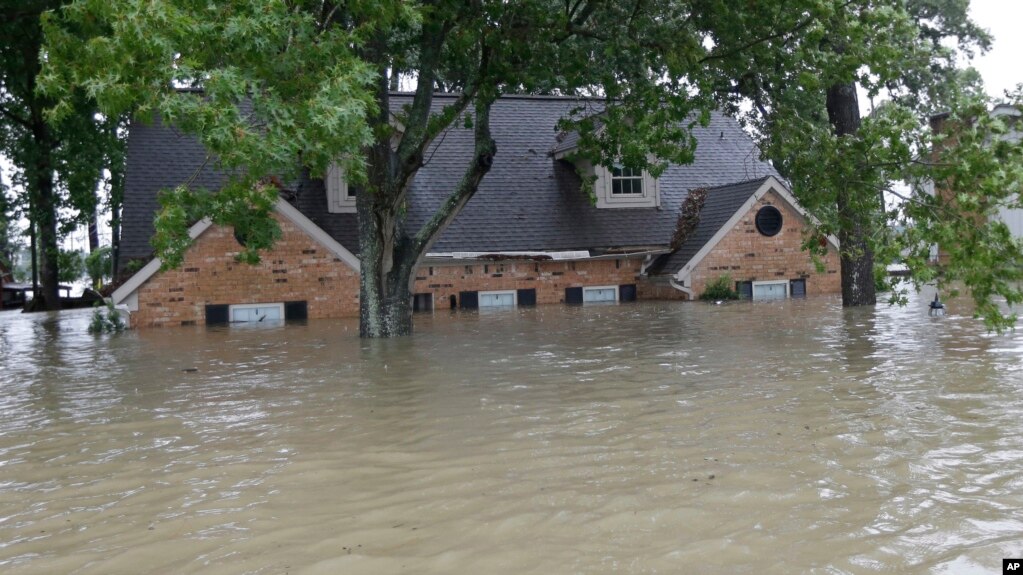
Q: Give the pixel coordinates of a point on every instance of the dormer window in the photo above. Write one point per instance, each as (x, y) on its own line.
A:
(618, 186)
(626, 181)
(340, 196)
(623, 187)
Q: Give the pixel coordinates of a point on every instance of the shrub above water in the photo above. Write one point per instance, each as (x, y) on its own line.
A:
(106, 319)
(719, 289)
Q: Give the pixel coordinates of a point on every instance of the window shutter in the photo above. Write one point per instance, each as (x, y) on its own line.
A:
(296, 311)
(574, 295)
(627, 292)
(469, 299)
(797, 288)
(526, 296)
(216, 314)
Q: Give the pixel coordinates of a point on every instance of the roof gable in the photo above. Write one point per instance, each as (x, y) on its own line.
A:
(722, 210)
(126, 292)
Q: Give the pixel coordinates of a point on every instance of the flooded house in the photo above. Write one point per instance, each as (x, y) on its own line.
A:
(530, 236)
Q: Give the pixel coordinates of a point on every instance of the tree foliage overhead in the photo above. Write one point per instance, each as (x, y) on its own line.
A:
(275, 87)
(906, 56)
(56, 165)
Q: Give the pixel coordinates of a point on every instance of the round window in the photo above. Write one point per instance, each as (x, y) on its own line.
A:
(769, 221)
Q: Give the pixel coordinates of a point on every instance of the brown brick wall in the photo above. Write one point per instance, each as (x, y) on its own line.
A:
(746, 254)
(549, 278)
(299, 268)
(658, 289)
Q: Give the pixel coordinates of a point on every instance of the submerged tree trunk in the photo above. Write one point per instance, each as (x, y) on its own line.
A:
(39, 167)
(115, 238)
(857, 257)
(385, 288)
(389, 256)
(115, 164)
(44, 212)
(389, 253)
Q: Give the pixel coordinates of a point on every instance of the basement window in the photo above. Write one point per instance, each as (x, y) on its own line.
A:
(600, 294)
(497, 299)
(770, 290)
(256, 313)
(221, 314)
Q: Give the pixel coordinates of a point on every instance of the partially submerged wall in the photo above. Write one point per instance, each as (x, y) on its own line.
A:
(298, 269)
(745, 254)
(548, 277)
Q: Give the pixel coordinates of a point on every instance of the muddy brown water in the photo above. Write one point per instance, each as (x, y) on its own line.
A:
(781, 437)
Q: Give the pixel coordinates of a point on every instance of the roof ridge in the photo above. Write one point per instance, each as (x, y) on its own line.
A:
(759, 180)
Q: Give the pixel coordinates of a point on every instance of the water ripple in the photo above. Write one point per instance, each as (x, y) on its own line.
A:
(789, 437)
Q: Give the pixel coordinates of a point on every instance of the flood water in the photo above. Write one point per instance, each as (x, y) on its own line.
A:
(781, 437)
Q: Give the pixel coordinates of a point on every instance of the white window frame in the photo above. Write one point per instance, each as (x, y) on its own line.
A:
(514, 294)
(340, 198)
(233, 307)
(603, 187)
(595, 288)
(631, 178)
(753, 289)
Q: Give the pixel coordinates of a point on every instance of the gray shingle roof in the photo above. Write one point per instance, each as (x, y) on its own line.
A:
(720, 205)
(528, 201)
(160, 157)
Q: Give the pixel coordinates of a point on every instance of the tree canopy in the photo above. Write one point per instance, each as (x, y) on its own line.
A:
(57, 165)
(274, 87)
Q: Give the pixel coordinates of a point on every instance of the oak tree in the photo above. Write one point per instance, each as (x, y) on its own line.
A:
(274, 87)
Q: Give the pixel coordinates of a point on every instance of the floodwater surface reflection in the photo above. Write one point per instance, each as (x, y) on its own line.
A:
(778, 437)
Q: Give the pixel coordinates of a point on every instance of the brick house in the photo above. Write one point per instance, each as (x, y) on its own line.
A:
(529, 236)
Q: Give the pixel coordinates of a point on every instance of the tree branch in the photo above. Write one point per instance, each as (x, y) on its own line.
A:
(413, 145)
(327, 15)
(15, 118)
(482, 160)
(799, 26)
(417, 134)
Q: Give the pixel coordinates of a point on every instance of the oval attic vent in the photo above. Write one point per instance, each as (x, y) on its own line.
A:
(769, 221)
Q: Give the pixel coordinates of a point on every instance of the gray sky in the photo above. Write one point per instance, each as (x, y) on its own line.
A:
(1001, 67)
